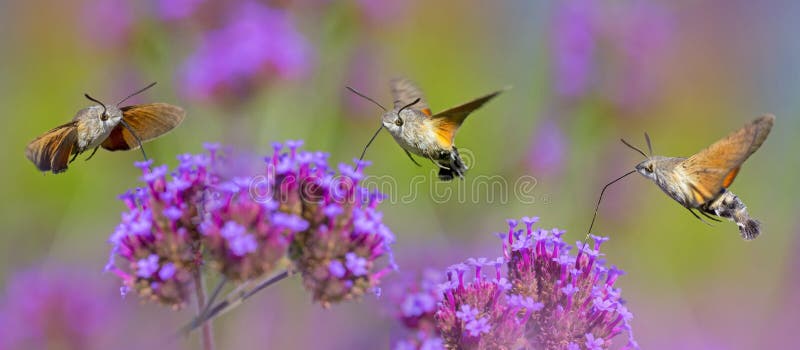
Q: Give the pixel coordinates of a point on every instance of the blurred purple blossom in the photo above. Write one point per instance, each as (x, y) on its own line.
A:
(176, 9)
(416, 303)
(56, 308)
(108, 23)
(573, 46)
(548, 151)
(363, 72)
(257, 44)
(380, 11)
(609, 50)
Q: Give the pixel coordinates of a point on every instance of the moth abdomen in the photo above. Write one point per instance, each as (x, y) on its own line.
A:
(731, 207)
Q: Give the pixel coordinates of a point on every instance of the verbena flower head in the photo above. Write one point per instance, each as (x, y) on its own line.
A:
(246, 237)
(547, 298)
(258, 43)
(157, 238)
(337, 255)
(40, 310)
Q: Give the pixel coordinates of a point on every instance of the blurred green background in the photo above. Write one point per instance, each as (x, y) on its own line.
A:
(686, 72)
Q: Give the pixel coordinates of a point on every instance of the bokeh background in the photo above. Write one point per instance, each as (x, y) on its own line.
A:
(585, 73)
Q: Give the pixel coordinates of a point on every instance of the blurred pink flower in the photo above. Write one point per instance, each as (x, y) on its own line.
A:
(257, 44)
(108, 23)
(547, 153)
(610, 50)
(176, 9)
(56, 308)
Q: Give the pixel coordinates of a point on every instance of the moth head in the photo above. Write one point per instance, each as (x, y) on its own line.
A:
(393, 121)
(647, 168)
(109, 115)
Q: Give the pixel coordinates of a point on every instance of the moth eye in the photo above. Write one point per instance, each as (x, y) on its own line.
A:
(649, 168)
(398, 122)
(104, 117)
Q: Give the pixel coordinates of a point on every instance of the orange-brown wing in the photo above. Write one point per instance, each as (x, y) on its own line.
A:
(446, 123)
(404, 92)
(714, 168)
(51, 151)
(147, 122)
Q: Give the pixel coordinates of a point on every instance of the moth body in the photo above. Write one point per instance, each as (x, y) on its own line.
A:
(94, 127)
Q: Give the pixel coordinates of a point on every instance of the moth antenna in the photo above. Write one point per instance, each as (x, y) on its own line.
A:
(364, 152)
(90, 98)
(141, 147)
(137, 92)
(409, 105)
(634, 148)
(649, 145)
(597, 208)
(365, 97)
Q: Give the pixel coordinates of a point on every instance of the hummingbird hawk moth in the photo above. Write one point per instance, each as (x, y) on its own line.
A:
(700, 183)
(111, 127)
(419, 131)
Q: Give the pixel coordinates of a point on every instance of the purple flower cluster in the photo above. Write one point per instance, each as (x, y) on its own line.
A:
(242, 226)
(547, 299)
(480, 313)
(56, 309)
(246, 238)
(579, 302)
(337, 254)
(158, 237)
(256, 44)
(416, 307)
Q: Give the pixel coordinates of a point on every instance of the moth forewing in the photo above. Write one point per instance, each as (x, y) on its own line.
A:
(714, 168)
(51, 151)
(146, 122)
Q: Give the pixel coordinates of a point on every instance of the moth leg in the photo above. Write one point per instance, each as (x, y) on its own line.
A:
(698, 217)
(709, 216)
(93, 152)
(439, 165)
(73, 158)
(412, 158)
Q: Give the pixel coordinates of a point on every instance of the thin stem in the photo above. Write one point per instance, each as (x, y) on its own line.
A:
(207, 340)
(214, 295)
(227, 305)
